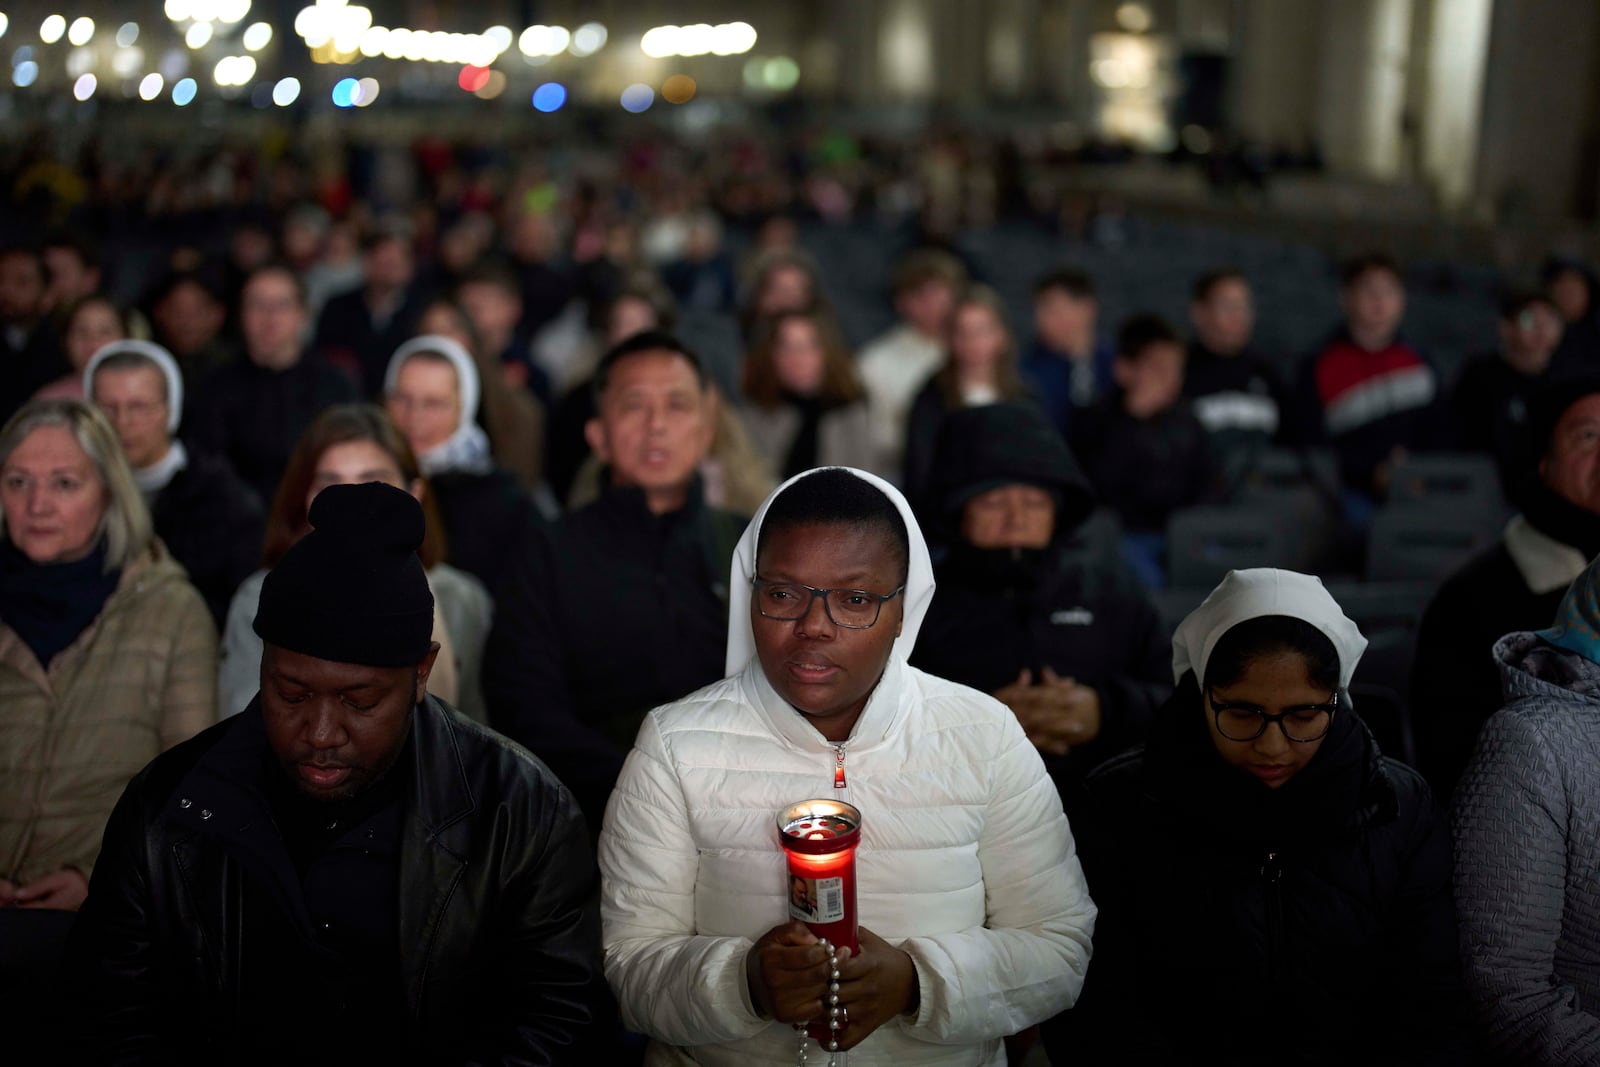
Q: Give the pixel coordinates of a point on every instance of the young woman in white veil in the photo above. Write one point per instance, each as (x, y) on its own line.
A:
(975, 921)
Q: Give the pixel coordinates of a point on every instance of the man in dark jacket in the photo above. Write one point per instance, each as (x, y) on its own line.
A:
(208, 518)
(1516, 585)
(621, 605)
(1068, 641)
(363, 327)
(251, 412)
(349, 871)
(1237, 394)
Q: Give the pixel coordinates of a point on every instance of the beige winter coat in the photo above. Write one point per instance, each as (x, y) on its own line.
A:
(141, 678)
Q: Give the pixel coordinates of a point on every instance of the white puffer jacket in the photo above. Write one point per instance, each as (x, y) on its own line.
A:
(966, 861)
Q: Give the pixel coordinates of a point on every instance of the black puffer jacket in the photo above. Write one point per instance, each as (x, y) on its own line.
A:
(498, 945)
(1311, 924)
(212, 523)
(999, 612)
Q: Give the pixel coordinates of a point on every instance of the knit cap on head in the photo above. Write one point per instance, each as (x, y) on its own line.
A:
(353, 590)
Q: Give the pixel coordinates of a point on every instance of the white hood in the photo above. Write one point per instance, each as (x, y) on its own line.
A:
(1250, 594)
(919, 576)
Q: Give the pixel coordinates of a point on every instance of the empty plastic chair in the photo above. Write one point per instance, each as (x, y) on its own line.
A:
(1424, 543)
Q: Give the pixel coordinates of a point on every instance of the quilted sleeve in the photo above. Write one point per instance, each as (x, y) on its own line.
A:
(1027, 961)
(677, 986)
(1511, 827)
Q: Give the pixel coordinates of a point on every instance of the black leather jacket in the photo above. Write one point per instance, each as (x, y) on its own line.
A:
(499, 943)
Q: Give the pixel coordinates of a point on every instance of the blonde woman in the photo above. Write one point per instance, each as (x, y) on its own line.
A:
(108, 655)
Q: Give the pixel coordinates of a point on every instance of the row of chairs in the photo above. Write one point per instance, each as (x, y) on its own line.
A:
(1283, 511)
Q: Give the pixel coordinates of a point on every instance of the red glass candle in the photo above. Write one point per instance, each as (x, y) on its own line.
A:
(819, 841)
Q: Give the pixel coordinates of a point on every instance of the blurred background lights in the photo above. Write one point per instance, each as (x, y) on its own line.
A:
(344, 92)
(84, 87)
(588, 39)
(544, 41)
(258, 36)
(500, 37)
(178, 10)
(150, 86)
(51, 29)
(24, 73)
(127, 34)
(473, 78)
(5, 23)
(638, 97)
(232, 11)
(198, 36)
(183, 92)
(81, 32)
(80, 61)
(366, 92)
(492, 88)
(175, 64)
(781, 74)
(549, 97)
(127, 62)
(22, 55)
(286, 92)
(235, 70)
(727, 39)
(1135, 18)
(678, 89)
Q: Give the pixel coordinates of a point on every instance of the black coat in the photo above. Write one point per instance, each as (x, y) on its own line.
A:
(212, 523)
(487, 518)
(1311, 924)
(253, 417)
(993, 617)
(1455, 681)
(1144, 469)
(498, 949)
(604, 615)
(347, 334)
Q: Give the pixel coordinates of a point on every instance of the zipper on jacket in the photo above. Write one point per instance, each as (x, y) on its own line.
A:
(1272, 877)
(841, 788)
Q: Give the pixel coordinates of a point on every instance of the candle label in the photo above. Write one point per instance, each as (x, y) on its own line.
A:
(816, 900)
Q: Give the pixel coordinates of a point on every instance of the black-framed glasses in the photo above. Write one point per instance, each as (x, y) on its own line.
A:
(1246, 722)
(854, 609)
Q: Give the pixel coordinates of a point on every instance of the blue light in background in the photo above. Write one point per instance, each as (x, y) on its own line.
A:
(183, 92)
(638, 97)
(24, 73)
(550, 96)
(344, 94)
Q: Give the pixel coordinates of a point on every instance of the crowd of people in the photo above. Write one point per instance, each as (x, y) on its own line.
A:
(245, 692)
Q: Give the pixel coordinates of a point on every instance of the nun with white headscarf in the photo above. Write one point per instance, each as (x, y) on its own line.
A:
(1272, 888)
(975, 921)
(207, 516)
(431, 391)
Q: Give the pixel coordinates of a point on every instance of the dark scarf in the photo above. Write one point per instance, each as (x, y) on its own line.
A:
(1555, 516)
(1017, 570)
(1184, 769)
(50, 604)
(803, 449)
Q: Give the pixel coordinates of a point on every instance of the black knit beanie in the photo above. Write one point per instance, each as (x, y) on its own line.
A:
(353, 590)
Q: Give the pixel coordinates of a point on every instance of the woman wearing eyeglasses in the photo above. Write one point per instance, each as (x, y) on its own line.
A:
(974, 918)
(1272, 888)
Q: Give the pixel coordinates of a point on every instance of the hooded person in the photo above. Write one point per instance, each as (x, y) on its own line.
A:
(1068, 641)
(1277, 850)
(349, 841)
(207, 516)
(1515, 585)
(1527, 836)
(431, 391)
(974, 920)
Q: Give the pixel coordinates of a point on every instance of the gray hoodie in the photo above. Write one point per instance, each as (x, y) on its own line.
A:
(1527, 872)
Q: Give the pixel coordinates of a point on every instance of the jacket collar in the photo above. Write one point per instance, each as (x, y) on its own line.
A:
(885, 709)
